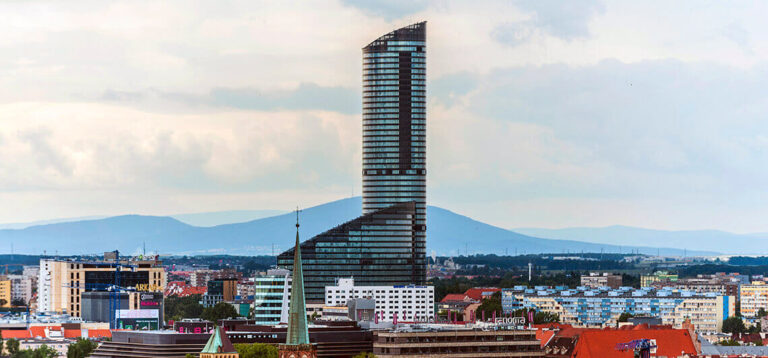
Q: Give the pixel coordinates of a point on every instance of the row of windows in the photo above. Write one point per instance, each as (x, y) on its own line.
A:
(371, 61)
(381, 88)
(379, 71)
(374, 83)
(380, 77)
(369, 66)
(418, 65)
(405, 43)
(386, 104)
(379, 194)
(381, 161)
(369, 92)
(379, 54)
(418, 71)
(402, 48)
(380, 116)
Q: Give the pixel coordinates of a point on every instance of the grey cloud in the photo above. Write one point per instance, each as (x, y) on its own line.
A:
(45, 155)
(388, 9)
(567, 20)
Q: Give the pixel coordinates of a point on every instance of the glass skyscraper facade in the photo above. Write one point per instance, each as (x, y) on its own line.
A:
(387, 245)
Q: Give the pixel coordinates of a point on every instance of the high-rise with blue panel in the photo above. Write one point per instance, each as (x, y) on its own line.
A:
(387, 245)
(394, 127)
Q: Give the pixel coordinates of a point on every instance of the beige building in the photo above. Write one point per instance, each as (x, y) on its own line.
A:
(61, 282)
(5, 291)
(753, 298)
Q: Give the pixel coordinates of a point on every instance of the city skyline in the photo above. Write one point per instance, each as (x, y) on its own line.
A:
(543, 116)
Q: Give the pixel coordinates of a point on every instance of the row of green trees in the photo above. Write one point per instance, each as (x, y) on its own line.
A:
(178, 308)
(79, 349)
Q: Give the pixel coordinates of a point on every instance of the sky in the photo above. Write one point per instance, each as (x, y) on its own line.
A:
(540, 113)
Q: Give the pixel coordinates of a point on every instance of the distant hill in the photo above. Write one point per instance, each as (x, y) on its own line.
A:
(448, 233)
(225, 217)
(708, 240)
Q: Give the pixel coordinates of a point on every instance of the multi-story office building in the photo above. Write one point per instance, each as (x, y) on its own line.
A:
(595, 280)
(220, 290)
(753, 298)
(443, 342)
(271, 295)
(387, 245)
(61, 282)
(602, 307)
(408, 302)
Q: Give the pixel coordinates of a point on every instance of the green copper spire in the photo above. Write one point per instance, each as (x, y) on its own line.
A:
(297, 313)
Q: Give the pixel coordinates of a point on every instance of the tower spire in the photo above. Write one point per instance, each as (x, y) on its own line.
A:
(298, 333)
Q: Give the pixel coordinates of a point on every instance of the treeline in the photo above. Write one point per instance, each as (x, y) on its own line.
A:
(544, 261)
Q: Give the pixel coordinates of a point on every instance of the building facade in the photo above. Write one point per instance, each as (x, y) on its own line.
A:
(754, 297)
(5, 292)
(61, 282)
(394, 127)
(270, 299)
(647, 280)
(21, 288)
(596, 280)
(387, 245)
(600, 308)
(409, 302)
(456, 343)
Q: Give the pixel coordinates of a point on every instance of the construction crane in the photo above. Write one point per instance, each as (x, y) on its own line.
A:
(6, 267)
(642, 347)
(114, 288)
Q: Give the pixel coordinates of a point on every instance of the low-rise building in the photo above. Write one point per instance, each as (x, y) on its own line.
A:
(647, 280)
(407, 302)
(602, 307)
(21, 288)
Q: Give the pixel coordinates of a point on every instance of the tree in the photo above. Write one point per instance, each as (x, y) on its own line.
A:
(12, 345)
(734, 325)
(81, 349)
(755, 328)
(256, 350)
(539, 317)
(624, 317)
(761, 313)
(3, 302)
(489, 306)
(190, 355)
(729, 342)
(43, 351)
(178, 308)
(365, 355)
(221, 310)
(18, 302)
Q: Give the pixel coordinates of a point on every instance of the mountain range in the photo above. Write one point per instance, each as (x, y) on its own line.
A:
(448, 233)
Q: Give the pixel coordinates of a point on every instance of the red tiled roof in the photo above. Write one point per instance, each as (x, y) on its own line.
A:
(602, 343)
(454, 297)
(72, 333)
(15, 333)
(99, 333)
(477, 292)
(544, 336)
(39, 331)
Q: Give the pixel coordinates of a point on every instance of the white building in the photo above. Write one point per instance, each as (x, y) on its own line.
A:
(21, 288)
(408, 302)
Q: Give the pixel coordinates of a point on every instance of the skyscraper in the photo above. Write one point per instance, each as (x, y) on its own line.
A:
(395, 125)
(387, 245)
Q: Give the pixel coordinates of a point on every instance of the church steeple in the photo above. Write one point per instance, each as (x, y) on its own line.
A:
(297, 313)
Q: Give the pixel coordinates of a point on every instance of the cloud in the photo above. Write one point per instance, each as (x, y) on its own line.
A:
(307, 96)
(567, 20)
(389, 9)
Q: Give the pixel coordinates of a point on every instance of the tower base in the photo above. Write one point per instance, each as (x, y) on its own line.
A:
(297, 351)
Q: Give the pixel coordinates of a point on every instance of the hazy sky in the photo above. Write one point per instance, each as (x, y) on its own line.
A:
(541, 113)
